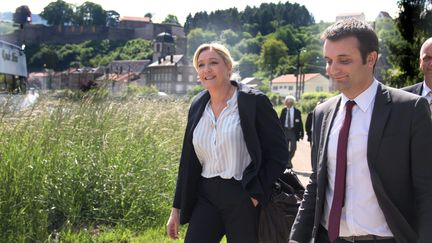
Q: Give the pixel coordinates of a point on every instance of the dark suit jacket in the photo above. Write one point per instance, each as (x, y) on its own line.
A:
(298, 124)
(415, 89)
(308, 126)
(264, 139)
(399, 160)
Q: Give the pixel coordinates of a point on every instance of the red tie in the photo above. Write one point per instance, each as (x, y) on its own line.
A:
(341, 165)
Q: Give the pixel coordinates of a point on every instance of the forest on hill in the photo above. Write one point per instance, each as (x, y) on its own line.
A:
(265, 41)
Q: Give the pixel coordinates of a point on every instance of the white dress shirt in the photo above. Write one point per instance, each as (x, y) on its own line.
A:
(289, 121)
(425, 92)
(219, 144)
(361, 214)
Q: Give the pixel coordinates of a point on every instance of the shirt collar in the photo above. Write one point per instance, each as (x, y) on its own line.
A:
(426, 89)
(364, 100)
(233, 100)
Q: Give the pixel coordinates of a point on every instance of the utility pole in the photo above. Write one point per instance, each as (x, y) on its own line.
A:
(298, 72)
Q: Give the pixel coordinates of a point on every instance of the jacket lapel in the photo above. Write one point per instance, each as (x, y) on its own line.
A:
(379, 119)
(197, 111)
(419, 88)
(327, 123)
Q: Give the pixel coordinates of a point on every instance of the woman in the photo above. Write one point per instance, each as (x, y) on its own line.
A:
(233, 151)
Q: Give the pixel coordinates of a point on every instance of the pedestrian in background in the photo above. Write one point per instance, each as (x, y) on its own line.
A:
(425, 60)
(291, 121)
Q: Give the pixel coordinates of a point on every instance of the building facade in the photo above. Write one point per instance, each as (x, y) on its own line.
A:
(311, 82)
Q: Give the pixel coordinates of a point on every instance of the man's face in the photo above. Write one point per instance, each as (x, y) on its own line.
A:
(345, 66)
(426, 61)
(289, 103)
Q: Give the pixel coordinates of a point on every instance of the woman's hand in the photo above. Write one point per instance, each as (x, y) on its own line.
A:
(254, 201)
(173, 224)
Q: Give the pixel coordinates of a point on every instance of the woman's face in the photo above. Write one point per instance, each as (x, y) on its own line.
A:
(213, 72)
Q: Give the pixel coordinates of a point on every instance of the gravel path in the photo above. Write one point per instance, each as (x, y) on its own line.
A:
(302, 162)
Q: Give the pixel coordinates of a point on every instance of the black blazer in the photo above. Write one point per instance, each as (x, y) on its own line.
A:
(298, 124)
(415, 89)
(265, 143)
(308, 126)
(399, 160)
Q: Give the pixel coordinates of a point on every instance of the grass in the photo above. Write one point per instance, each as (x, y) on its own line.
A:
(94, 169)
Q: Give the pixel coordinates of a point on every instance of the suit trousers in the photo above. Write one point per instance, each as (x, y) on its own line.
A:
(291, 137)
(223, 208)
(322, 237)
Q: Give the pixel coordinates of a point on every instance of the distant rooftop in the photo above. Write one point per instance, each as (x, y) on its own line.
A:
(135, 19)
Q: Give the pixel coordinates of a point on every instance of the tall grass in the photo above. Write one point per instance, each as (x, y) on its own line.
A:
(70, 165)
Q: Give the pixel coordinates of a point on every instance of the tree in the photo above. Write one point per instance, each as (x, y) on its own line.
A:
(112, 18)
(90, 14)
(197, 37)
(414, 24)
(230, 37)
(248, 65)
(271, 53)
(149, 15)
(45, 57)
(171, 19)
(22, 15)
(58, 13)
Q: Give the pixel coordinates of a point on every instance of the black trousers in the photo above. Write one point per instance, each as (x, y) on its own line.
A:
(223, 208)
(322, 237)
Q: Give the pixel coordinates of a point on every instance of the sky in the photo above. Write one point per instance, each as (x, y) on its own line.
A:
(322, 10)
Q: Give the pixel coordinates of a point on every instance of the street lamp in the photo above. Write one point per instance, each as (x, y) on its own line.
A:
(299, 75)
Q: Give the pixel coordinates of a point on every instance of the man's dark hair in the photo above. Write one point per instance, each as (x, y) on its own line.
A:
(368, 40)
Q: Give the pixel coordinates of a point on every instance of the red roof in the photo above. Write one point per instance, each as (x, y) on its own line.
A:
(291, 78)
(135, 19)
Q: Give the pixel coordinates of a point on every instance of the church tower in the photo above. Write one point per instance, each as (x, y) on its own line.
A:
(163, 46)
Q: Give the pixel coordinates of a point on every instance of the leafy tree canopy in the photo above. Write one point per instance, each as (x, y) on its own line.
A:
(22, 15)
(58, 13)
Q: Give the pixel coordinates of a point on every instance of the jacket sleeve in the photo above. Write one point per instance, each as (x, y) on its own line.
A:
(303, 224)
(421, 168)
(178, 189)
(272, 142)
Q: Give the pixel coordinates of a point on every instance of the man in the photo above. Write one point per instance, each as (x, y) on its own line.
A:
(293, 126)
(372, 181)
(424, 88)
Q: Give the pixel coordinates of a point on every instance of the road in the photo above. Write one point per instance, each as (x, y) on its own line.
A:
(302, 162)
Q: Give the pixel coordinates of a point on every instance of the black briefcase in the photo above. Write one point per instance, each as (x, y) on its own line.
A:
(278, 216)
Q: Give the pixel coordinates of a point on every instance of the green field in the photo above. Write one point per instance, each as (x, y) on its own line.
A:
(95, 169)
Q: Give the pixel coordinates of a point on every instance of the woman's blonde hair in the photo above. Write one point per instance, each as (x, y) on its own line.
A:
(218, 48)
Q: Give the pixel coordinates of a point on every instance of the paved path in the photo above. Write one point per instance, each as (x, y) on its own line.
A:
(301, 161)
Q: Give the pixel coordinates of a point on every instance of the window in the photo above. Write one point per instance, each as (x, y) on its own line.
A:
(319, 89)
(190, 78)
(275, 87)
(290, 87)
(179, 77)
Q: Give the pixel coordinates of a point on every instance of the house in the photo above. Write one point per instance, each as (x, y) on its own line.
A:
(82, 78)
(251, 82)
(119, 73)
(383, 15)
(359, 16)
(309, 82)
(172, 74)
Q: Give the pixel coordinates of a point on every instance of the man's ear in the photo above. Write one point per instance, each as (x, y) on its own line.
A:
(372, 58)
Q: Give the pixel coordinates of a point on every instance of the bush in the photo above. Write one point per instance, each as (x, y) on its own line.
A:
(310, 100)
